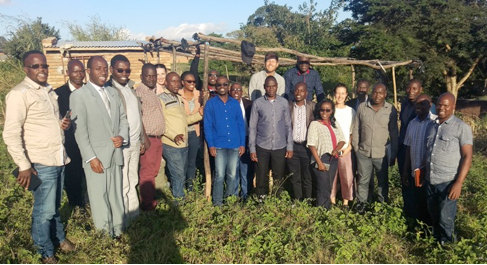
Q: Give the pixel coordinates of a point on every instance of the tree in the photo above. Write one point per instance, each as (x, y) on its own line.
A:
(96, 30)
(26, 36)
(450, 37)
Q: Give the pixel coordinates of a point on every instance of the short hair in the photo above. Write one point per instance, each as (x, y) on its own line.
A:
(270, 78)
(90, 61)
(271, 55)
(29, 53)
(340, 85)
(183, 75)
(415, 80)
(363, 81)
(118, 57)
(236, 84)
(147, 66)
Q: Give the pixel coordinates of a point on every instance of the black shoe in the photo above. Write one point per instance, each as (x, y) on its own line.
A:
(359, 208)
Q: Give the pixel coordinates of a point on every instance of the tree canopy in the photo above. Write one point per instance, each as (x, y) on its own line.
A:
(96, 30)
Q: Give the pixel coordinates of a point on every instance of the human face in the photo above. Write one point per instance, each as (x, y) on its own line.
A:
(161, 76)
(271, 65)
(341, 95)
(121, 72)
(173, 82)
(326, 110)
(422, 106)
(362, 88)
(77, 73)
(445, 107)
(270, 88)
(189, 82)
(40, 74)
(99, 71)
(149, 77)
(413, 90)
(212, 76)
(379, 94)
(303, 64)
(236, 91)
(300, 93)
(222, 86)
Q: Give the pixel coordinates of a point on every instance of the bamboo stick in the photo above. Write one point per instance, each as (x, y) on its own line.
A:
(394, 84)
(206, 94)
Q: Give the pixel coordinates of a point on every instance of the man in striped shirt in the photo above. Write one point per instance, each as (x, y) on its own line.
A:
(414, 158)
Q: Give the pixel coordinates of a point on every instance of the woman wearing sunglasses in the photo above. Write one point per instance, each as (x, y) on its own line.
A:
(192, 102)
(325, 139)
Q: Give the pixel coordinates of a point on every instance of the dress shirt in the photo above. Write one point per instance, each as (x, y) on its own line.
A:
(270, 125)
(152, 114)
(32, 130)
(443, 144)
(299, 128)
(71, 87)
(415, 139)
(256, 85)
(132, 111)
(224, 124)
(312, 80)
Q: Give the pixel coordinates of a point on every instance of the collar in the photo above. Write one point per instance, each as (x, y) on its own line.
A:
(437, 120)
(71, 86)
(267, 99)
(35, 85)
(299, 73)
(370, 104)
(118, 85)
(98, 88)
(295, 105)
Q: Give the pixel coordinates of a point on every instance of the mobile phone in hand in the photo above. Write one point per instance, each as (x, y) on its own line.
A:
(68, 114)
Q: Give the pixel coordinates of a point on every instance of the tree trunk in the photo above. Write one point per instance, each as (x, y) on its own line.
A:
(451, 84)
(451, 78)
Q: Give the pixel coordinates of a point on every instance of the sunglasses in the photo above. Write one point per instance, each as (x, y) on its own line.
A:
(190, 81)
(303, 62)
(128, 71)
(222, 84)
(325, 110)
(236, 89)
(37, 66)
(213, 75)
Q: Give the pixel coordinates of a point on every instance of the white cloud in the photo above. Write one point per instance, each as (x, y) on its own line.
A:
(187, 30)
(5, 2)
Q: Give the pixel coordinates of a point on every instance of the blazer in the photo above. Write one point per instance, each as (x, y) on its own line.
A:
(310, 107)
(70, 144)
(248, 108)
(93, 127)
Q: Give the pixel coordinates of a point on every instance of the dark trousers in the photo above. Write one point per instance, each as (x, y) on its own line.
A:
(299, 168)
(75, 181)
(441, 210)
(276, 158)
(194, 143)
(324, 181)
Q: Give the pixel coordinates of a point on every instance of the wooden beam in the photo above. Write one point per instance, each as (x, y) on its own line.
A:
(394, 84)
(206, 95)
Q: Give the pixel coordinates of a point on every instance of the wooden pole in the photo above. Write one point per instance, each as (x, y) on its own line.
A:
(410, 73)
(394, 84)
(174, 58)
(353, 80)
(206, 95)
(226, 70)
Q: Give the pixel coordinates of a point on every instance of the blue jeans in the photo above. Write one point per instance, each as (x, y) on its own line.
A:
(176, 161)
(245, 175)
(441, 210)
(47, 229)
(226, 161)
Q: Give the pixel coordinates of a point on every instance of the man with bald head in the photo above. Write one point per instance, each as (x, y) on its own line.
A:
(414, 196)
(375, 127)
(74, 180)
(100, 129)
(301, 111)
(175, 139)
(449, 148)
(303, 73)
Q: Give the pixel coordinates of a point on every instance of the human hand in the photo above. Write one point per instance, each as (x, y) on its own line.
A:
(117, 141)
(179, 139)
(142, 149)
(253, 157)
(346, 151)
(65, 123)
(96, 165)
(213, 151)
(455, 191)
(289, 154)
(405, 179)
(24, 177)
(241, 151)
(321, 166)
(201, 111)
(334, 153)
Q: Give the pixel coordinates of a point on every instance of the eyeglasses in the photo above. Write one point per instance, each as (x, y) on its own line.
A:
(303, 62)
(190, 81)
(212, 75)
(325, 110)
(37, 66)
(128, 71)
(222, 84)
(236, 89)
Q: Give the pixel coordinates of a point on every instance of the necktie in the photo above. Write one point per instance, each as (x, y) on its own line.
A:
(105, 100)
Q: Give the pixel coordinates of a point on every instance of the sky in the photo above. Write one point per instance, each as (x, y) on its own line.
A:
(141, 18)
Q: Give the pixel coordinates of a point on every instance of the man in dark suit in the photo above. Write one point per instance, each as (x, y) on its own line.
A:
(363, 87)
(245, 168)
(301, 111)
(74, 175)
(101, 128)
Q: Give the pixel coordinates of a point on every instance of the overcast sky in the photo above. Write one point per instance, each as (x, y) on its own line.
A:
(168, 19)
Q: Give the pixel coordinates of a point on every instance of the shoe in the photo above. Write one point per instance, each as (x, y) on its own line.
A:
(360, 208)
(49, 260)
(67, 246)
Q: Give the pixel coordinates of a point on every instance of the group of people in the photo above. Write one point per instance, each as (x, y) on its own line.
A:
(110, 137)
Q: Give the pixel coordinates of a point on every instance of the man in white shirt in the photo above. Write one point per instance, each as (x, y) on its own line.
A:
(256, 85)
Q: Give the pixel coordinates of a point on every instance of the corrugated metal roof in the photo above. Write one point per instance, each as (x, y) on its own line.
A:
(97, 44)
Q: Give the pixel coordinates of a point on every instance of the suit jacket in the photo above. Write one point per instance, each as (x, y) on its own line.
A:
(93, 127)
(70, 144)
(310, 107)
(248, 108)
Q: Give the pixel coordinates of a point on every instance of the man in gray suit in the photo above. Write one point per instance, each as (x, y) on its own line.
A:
(101, 128)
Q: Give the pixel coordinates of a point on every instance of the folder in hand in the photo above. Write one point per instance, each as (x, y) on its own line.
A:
(419, 174)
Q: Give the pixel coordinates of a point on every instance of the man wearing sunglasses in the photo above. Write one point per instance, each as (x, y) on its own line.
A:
(120, 73)
(256, 85)
(74, 181)
(303, 73)
(34, 135)
(212, 74)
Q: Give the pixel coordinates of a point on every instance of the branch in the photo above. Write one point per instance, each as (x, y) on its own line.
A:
(470, 71)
